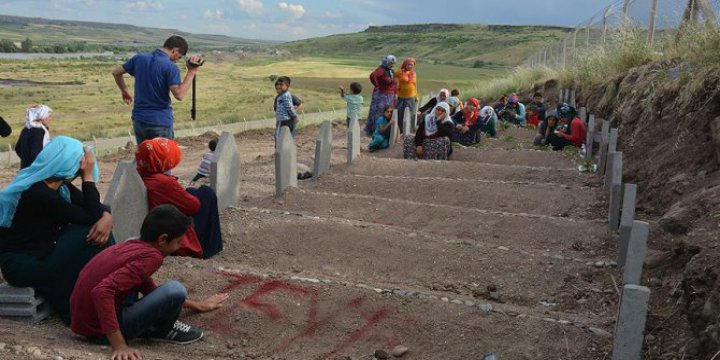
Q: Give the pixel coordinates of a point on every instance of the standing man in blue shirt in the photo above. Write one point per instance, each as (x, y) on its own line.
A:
(156, 76)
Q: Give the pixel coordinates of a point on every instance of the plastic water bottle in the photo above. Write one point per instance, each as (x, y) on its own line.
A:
(490, 356)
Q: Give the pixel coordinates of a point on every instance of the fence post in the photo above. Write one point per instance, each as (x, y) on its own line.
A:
(626, 6)
(589, 25)
(653, 18)
(604, 25)
(575, 44)
(564, 63)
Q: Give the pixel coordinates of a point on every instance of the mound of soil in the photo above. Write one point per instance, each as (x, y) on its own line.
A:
(670, 138)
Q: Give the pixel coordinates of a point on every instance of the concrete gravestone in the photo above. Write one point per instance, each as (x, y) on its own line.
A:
(602, 154)
(590, 138)
(407, 126)
(393, 129)
(323, 149)
(611, 148)
(626, 222)
(286, 162)
(353, 140)
(615, 181)
(630, 324)
(225, 171)
(127, 198)
(636, 251)
(20, 304)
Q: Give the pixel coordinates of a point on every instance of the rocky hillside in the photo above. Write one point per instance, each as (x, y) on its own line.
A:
(458, 44)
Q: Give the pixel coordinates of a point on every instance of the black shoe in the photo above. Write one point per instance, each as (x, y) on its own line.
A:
(180, 333)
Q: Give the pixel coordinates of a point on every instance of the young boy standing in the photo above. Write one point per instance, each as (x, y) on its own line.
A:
(104, 305)
(285, 113)
(354, 101)
(206, 162)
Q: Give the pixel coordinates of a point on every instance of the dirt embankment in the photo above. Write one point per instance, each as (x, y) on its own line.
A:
(669, 129)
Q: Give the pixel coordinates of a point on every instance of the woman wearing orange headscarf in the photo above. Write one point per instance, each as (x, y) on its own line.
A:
(407, 92)
(154, 159)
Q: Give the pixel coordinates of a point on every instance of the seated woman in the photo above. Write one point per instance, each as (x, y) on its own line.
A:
(49, 229)
(442, 96)
(467, 127)
(381, 136)
(154, 159)
(546, 128)
(488, 121)
(432, 139)
(571, 133)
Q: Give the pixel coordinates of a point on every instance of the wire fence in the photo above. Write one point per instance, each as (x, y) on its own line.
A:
(659, 20)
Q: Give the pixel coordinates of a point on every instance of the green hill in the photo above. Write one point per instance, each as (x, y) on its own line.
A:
(93, 36)
(463, 44)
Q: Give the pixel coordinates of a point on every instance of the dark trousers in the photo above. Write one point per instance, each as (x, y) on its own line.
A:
(558, 143)
(207, 221)
(53, 277)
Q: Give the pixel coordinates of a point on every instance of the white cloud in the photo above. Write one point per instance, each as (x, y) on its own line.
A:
(145, 5)
(296, 9)
(250, 6)
(216, 14)
(221, 28)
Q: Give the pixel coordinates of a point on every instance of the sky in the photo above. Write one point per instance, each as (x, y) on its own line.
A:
(287, 20)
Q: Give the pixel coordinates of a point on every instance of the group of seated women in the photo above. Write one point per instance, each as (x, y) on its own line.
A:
(49, 228)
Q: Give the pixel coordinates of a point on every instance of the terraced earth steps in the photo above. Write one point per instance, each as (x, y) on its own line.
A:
(375, 255)
(305, 320)
(530, 199)
(373, 166)
(559, 236)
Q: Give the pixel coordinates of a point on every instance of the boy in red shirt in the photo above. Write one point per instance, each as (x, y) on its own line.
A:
(104, 305)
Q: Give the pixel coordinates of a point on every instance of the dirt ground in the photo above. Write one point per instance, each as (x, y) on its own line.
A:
(503, 249)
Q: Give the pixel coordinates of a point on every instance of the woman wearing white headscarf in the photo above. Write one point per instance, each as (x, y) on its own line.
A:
(35, 135)
(442, 96)
(385, 83)
(432, 138)
(488, 121)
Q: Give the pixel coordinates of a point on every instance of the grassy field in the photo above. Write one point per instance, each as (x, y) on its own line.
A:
(487, 46)
(227, 91)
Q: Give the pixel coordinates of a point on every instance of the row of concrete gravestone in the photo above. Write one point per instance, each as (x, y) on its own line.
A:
(127, 197)
(632, 239)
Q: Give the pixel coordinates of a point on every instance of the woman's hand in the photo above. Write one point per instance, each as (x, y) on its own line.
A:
(419, 151)
(87, 164)
(100, 231)
(464, 129)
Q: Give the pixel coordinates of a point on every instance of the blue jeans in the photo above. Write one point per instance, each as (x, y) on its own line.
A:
(155, 312)
(147, 132)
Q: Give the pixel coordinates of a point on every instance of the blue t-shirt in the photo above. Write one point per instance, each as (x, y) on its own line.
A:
(154, 74)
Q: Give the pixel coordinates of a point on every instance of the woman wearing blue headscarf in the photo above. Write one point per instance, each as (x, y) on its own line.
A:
(383, 79)
(49, 229)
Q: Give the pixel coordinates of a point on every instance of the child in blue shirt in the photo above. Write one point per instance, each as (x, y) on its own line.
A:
(354, 101)
(381, 136)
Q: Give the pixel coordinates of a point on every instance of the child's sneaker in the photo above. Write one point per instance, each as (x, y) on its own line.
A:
(180, 333)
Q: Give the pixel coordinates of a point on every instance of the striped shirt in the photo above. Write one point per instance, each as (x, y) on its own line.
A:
(284, 108)
(204, 168)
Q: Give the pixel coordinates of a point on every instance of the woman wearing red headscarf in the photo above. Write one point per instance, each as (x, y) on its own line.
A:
(406, 92)
(154, 159)
(467, 127)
